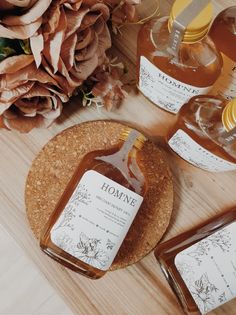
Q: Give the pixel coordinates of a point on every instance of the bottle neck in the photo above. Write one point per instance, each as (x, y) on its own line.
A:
(228, 137)
(216, 119)
(190, 36)
(229, 115)
(189, 22)
(132, 139)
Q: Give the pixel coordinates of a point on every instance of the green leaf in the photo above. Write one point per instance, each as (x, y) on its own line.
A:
(25, 46)
(5, 49)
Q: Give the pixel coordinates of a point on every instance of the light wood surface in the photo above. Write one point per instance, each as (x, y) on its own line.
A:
(31, 283)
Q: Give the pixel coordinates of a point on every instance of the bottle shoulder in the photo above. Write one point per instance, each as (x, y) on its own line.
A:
(201, 119)
(194, 61)
(223, 32)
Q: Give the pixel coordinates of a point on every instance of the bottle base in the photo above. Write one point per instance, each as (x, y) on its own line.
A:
(81, 267)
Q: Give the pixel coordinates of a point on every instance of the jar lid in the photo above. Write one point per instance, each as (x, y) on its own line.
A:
(229, 115)
(140, 138)
(199, 25)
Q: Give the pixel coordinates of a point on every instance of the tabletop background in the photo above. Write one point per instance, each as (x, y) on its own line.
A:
(31, 283)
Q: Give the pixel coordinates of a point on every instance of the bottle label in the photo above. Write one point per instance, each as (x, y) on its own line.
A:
(208, 269)
(225, 86)
(195, 154)
(95, 220)
(163, 90)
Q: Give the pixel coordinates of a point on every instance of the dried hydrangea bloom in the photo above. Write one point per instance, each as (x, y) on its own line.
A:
(123, 11)
(108, 88)
(29, 97)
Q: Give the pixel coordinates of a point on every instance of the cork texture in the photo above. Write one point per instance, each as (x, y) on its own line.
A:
(56, 162)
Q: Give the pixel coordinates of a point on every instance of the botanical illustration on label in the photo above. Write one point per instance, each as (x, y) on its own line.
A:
(163, 90)
(208, 269)
(226, 84)
(195, 154)
(95, 220)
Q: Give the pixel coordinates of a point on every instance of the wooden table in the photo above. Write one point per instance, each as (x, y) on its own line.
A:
(140, 289)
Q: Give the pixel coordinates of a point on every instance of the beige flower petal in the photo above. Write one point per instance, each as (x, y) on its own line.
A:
(104, 40)
(72, 80)
(135, 2)
(90, 3)
(53, 45)
(89, 20)
(83, 70)
(9, 97)
(15, 63)
(74, 6)
(84, 38)
(5, 5)
(11, 4)
(37, 45)
(100, 7)
(99, 25)
(68, 51)
(50, 21)
(26, 124)
(2, 123)
(37, 90)
(31, 15)
(21, 3)
(66, 84)
(54, 113)
(20, 32)
(4, 107)
(74, 20)
(87, 52)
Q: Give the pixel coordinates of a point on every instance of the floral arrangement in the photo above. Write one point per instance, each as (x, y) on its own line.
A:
(53, 49)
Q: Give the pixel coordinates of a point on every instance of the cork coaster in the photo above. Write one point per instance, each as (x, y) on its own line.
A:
(56, 162)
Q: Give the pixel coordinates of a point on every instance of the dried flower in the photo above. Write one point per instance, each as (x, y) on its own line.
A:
(49, 48)
(29, 97)
(73, 45)
(109, 88)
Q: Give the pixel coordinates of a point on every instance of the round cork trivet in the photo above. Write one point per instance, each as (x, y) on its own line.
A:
(56, 162)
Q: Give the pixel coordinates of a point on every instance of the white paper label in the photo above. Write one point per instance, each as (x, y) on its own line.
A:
(95, 220)
(226, 84)
(163, 90)
(208, 269)
(195, 154)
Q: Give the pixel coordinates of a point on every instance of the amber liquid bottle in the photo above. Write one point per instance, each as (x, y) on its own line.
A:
(200, 264)
(97, 208)
(205, 134)
(170, 78)
(223, 33)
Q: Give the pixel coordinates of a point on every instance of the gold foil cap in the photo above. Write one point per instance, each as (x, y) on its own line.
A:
(140, 140)
(199, 26)
(229, 115)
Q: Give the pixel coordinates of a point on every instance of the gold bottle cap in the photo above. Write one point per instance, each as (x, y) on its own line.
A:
(229, 115)
(139, 141)
(199, 26)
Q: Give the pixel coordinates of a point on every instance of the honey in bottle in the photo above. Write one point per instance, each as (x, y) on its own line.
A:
(205, 133)
(176, 58)
(97, 208)
(200, 264)
(223, 33)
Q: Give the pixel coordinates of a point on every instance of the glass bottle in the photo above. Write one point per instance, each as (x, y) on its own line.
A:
(205, 133)
(223, 33)
(167, 77)
(200, 264)
(97, 207)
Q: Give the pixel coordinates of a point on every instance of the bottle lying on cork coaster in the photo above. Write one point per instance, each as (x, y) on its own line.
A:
(85, 188)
